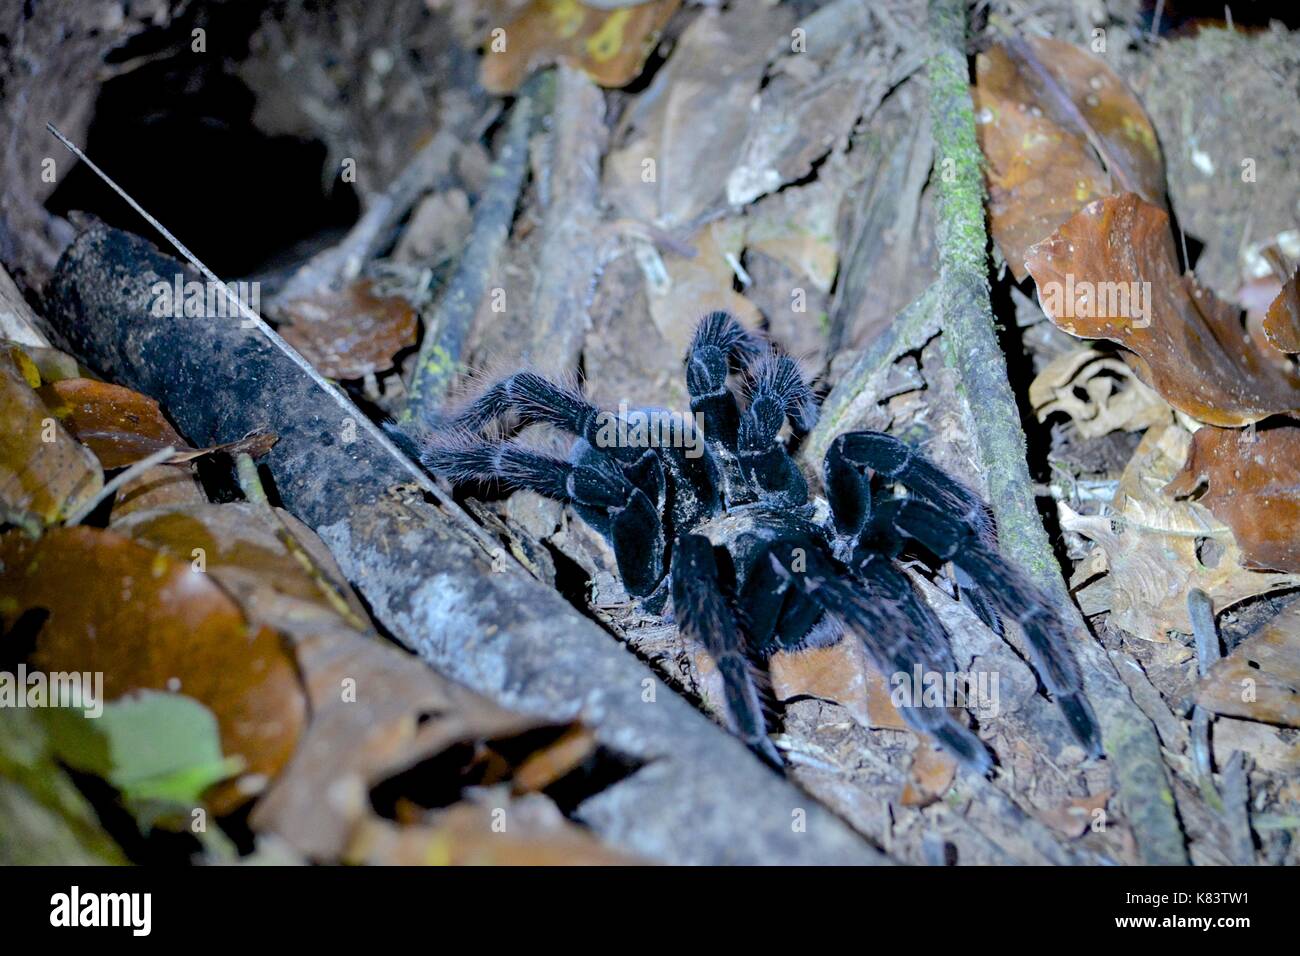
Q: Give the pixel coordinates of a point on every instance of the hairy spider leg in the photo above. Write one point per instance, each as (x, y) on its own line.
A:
(1015, 596)
(719, 342)
(590, 482)
(777, 392)
(690, 491)
(877, 604)
(704, 614)
(855, 456)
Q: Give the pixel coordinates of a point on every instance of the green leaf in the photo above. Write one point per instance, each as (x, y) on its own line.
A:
(154, 747)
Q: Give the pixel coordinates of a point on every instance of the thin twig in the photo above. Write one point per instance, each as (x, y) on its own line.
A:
(448, 328)
(134, 471)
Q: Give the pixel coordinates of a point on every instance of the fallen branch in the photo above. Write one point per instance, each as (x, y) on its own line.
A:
(971, 349)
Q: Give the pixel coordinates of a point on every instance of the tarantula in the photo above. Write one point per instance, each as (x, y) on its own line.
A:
(722, 524)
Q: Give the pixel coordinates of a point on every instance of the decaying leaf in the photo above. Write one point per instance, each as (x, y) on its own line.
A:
(611, 46)
(160, 624)
(1111, 273)
(696, 285)
(1075, 816)
(812, 101)
(839, 673)
(470, 834)
(689, 127)
(1252, 483)
(1260, 679)
(351, 333)
(44, 472)
(375, 712)
(1155, 548)
(1282, 321)
(1098, 392)
(932, 773)
(1059, 130)
(119, 425)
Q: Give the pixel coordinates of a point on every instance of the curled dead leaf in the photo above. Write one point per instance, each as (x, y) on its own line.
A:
(45, 473)
(351, 333)
(1098, 392)
(1111, 272)
(1252, 483)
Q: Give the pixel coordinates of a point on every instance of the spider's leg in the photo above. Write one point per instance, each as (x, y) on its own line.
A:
(702, 613)
(592, 484)
(901, 634)
(1013, 595)
(718, 342)
(847, 469)
(866, 453)
(778, 391)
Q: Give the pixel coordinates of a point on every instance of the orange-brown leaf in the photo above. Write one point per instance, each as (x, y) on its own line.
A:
(1059, 129)
(147, 620)
(1253, 486)
(1282, 322)
(120, 426)
(1190, 346)
(611, 46)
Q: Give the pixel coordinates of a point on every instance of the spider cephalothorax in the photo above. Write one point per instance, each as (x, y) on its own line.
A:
(722, 523)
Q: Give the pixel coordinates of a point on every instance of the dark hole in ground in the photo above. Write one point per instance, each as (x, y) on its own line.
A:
(177, 134)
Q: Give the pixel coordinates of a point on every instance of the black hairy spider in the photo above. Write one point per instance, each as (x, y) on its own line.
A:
(722, 523)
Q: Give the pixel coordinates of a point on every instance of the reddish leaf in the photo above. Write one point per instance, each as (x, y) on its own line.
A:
(1190, 346)
(1260, 679)
(120, 426)
(351, 333)
(1282, 323)
(1059, 129)
(147, 620)
(1253, 486)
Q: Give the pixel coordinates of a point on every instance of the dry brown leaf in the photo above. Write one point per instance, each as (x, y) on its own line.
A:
(1260, 679)
(698, 285)
(1075, 816)
(119, 425)
(376, 711)
(930, 776)
(1282, 321)
(351, 333)
(145, 619)
(839, 673)
(1156, 548)
(1112, 399)
(1059, 129)
(534, 834)
(611, 46)
(1190, 346)
(555, 761)
(1252, 483)
(44, 473)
